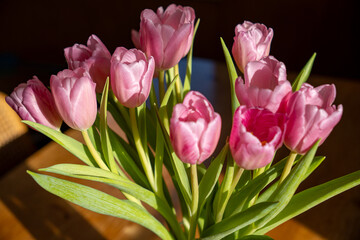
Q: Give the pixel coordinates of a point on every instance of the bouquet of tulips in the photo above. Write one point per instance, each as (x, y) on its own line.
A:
(173, 129)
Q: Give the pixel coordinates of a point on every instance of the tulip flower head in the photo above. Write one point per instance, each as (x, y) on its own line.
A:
(251, 43)
(194, 128)
(75, 97)
(265, 84)
(131, 76)
(165, 35)
(255, 136)
(311, 116)
(94, 57)
(33, 102)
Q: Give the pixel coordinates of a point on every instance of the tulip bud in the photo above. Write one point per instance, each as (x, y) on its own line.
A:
(311, 116)
(166, 35)
(265, 84)
(251, 43)
(34, 102)
(131, 76)
(75, 97)
(255, 136)
(194, 128)
(94, 57)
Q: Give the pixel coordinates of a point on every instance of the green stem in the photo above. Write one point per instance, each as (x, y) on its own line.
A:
(194, 202)
(178, 84)
(237, 175)
(288, 166)
(161, 85)
(93, 151)
(145, 161)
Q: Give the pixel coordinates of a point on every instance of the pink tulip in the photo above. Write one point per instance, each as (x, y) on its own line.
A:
(94, 57)
(265, 84)
(194, 128)
(131, 76)
(311, 116)
(251, 43)
(75, 97)
(165, 35)
(255, 136)
(34, 102)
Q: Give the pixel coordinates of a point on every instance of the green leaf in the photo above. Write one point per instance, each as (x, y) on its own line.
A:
(100, 202)
(187, 81)
(126, 161)
(232, 75)
(264, 197)
(311, 197)
(239, 199)
(73, 146)
(105, 141)
(287, 188)
(238, 221)
(211, 176)
(304, 74)
(255, 237)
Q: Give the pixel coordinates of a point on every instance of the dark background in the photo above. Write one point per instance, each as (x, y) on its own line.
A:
(34, 33)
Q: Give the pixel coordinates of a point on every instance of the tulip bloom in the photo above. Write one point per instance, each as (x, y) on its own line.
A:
(131, 76)
(94, 57)
(251, 43)
(75, 97)
(265, 84)
(311, 116)
(32, 101)
(255, 136)
(194, 128)
(165, 35)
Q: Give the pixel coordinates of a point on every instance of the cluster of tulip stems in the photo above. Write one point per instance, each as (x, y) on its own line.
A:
(177, 129)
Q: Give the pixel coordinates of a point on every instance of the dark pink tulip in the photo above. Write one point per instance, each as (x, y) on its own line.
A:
(265, 84)
(165, 35)
(75, 97)
(131, 76)
(311, 116)
(255, 136)
(94, 57)
(194, 128)
(251, 43)
(34, 102)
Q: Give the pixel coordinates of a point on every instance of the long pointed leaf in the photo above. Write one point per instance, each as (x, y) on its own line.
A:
(187, 81)
(311, 197)
(100, 202)
(232, 75)
(75, 147)
(238, 221)
(304, 74)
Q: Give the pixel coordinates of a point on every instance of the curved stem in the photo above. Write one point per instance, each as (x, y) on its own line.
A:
(288, 166)
(145, 162)
(93, 151)
(195, 201)
(178, 84)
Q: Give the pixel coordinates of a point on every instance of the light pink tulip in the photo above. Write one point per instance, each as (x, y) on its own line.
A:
(311, 116)
(165, 35)
(131, 76)
(251, 43)
(255, 136)
(94, 57)
(265, 84)
(75, 97)
(194, 128)
(34, 102)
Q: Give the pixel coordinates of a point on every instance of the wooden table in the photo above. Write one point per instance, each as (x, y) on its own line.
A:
(29, 212)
